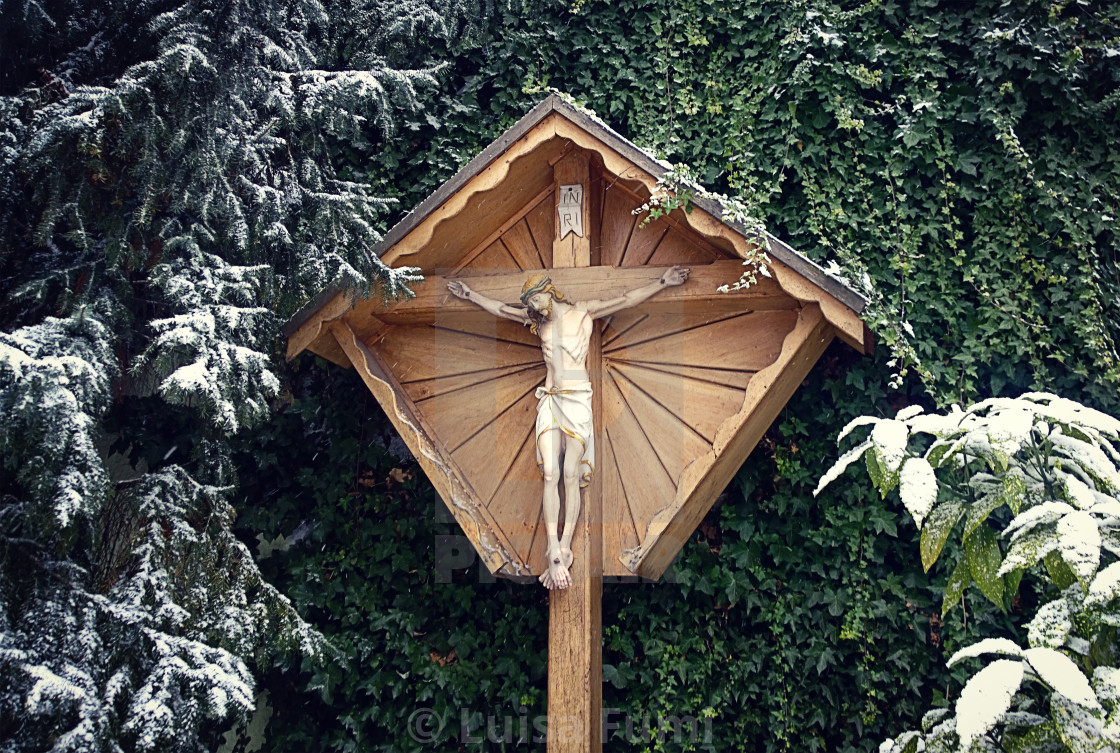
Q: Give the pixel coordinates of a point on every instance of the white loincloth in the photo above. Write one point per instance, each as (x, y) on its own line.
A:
(568, 410)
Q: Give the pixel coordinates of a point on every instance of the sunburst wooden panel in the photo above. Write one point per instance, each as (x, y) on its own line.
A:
(464, 413)
(497, 443)
(648, 485)
(643, 242)
(542, 226)
(516, 503)
(618, 224)
(619, 530)
(676, 248)
(747, 342)
(626, 242)
(421, 353)
(518, 241)
(670, 381)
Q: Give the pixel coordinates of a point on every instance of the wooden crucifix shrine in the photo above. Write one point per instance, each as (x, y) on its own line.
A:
(683, 380)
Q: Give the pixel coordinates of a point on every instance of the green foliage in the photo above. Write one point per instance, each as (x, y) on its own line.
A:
(863, 136)
(173, 176)
(1055, 466)
(960, 163)
(957, 157)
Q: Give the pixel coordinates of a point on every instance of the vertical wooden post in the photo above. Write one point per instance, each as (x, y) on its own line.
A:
(575, 614)
(575, 641)
(572, 250)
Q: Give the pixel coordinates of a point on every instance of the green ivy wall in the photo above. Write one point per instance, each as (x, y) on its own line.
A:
(965, 160)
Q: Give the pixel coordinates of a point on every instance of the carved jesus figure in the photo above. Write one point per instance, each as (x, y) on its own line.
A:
(565, 434)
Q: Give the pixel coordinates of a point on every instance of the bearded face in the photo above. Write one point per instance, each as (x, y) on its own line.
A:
(541, 303)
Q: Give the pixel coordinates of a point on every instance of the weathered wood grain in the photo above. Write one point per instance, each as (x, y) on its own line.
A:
(419, 391)
(618, 224)
(658, 325)
(747, 343)
(419, 353)
(495, 445)
(526, 211)
(458, 416)
(648, 485)
(675, 443)
(643, 242)
(678, 248)
(493, 258)
(516, 504)
(703, 406)
(519, 242)
(619, 531)
(542, 226)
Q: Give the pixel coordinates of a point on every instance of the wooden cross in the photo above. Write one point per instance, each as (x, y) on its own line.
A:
(684, 385)
(575, 614)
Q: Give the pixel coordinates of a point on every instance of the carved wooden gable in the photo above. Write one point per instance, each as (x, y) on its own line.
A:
(685, 384)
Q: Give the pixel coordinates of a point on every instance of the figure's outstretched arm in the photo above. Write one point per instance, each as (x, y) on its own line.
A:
(671, 278)
(459, 289)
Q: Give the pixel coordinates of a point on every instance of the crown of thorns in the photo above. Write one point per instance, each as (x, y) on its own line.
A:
(535, 284)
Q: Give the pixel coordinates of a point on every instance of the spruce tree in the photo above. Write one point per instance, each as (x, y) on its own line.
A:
(171, 184)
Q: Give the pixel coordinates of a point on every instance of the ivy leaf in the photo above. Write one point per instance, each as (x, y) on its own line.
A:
(954, 589)
(611, 675)
(982, 551)
(985, 698)
(937, 528)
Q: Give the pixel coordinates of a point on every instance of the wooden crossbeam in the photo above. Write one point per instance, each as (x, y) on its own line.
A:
(586, 283)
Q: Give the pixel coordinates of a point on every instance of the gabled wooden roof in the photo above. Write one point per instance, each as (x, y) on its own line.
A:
(628, 162)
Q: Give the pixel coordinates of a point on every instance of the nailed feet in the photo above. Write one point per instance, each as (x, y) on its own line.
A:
(557, 575)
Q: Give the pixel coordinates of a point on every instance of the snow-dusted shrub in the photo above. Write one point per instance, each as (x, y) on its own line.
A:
(1055, 465)
(175, 178)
